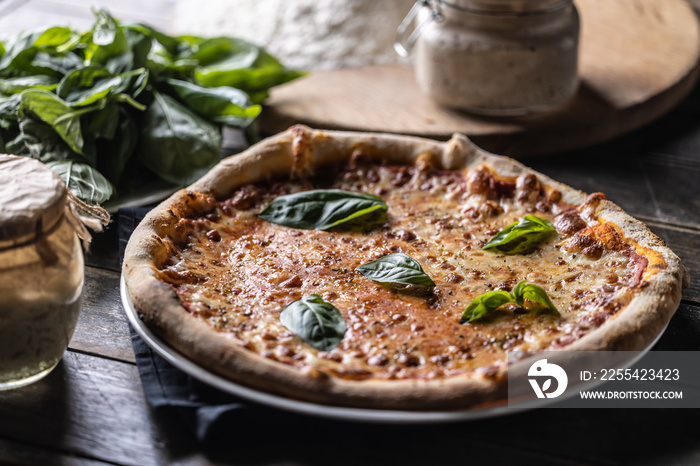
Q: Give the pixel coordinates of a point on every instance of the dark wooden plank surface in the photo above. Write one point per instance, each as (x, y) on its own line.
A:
(102, 327)
(685, 243)
(652, 174)
(88, 407)
(13, 453)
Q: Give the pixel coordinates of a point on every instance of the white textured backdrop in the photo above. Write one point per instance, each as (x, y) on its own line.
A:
(306, 34)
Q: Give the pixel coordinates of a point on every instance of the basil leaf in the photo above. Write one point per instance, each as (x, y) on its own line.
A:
(14, 142)
(42, 142)
(9, 108)
(115, 47)
(19, 54)
(177, 144)
(103, 123)
(51, 63)
(53, 110)
(226, 61)
(86, 86)
(169, 43)
(91, 85)
(104, 31)
(15, 85)
(84, 181)
(54, 37)
(485, 303)
(316, 321)
(223, 104)
(320, 209)
(63, 96)
(115, 154)
(534, 293)
(492, 300)
(396, 268)
(522, 237)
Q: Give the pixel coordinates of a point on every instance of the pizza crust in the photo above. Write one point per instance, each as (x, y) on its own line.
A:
(299, 151)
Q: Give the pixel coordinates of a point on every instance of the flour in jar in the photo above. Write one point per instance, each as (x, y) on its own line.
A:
(40, 305)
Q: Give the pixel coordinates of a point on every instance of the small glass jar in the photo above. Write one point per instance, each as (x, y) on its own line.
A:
(41, 271)
(496, 57)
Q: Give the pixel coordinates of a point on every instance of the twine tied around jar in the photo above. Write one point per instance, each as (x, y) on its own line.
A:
(35, 202)
(83, 216)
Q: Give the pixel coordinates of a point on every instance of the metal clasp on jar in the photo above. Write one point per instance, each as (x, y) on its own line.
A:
(402, 44)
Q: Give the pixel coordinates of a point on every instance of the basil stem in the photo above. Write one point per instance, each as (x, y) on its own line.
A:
(321, 209)
(396, 268)
(522, 237)
(492, 300)
(316, 321)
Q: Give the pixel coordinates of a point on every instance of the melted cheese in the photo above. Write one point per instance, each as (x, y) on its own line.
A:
(237, 272)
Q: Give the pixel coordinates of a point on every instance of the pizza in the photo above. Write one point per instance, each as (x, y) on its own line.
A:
(393, 272)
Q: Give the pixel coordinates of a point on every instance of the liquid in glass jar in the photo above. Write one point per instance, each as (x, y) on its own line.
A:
(41, 269)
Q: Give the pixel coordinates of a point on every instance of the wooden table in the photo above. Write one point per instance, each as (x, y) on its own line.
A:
(91, 409)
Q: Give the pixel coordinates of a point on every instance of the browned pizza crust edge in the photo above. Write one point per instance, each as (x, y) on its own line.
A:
(299, 150)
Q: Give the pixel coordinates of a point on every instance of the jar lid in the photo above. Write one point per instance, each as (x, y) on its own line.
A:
(507, 6)
(32, 199)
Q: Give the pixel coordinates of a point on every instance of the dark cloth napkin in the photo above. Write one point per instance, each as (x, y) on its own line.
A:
(209, 413)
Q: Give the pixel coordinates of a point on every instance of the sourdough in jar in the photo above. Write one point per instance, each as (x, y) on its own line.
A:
(42, 290)
(499, 57)
(41, 268)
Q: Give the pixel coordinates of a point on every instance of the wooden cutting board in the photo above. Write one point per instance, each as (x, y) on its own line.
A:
(638, 58)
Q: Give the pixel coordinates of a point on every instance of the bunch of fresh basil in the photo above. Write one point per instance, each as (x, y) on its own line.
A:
(121, 104)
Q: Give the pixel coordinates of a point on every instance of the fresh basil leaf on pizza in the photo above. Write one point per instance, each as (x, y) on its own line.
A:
(396, 268)
(316, 321)
(522, 237)
(320, 209)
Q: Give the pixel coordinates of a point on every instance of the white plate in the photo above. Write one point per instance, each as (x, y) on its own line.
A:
(312, 409)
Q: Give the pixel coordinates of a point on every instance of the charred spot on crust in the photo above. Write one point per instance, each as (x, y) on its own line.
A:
(594, 240)
(594, 200)
(425, 162)
(478, 181)
(528, 188)
(569, 222)
(359, 158)
(586, 244)
(554, 196)
(482, 181)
